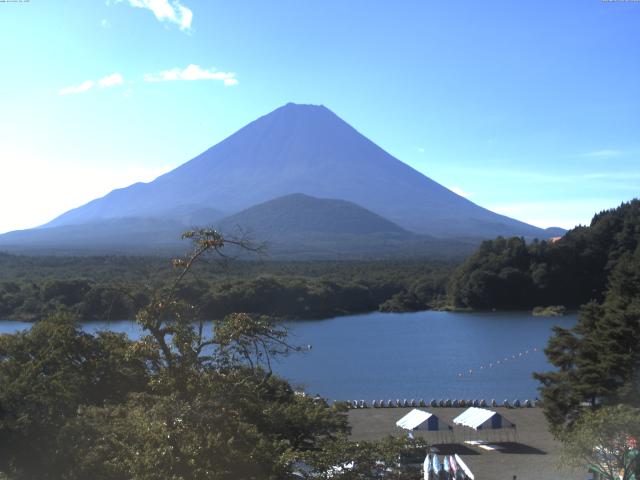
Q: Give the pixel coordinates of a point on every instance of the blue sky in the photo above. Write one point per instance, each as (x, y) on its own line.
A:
(529, 108)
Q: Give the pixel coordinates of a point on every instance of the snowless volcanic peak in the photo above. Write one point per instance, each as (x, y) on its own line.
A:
(303, 149)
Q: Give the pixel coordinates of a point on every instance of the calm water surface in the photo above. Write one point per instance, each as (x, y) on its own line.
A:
(409, 355)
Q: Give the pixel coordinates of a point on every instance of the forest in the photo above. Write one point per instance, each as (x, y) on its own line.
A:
(115, 288)
(508, 273)
(184, 402)
(505, 273)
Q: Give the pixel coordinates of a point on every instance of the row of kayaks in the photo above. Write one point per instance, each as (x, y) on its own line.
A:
(449, 468)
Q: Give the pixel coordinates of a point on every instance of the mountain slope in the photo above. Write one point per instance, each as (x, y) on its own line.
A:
(113, 235)
(300, 226)
(308, 149)
(299, 214)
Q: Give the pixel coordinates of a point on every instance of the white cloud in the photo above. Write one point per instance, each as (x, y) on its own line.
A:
(460, 191)
(111, 80)
(606, 153)
(83, 87)
(171, 11)
(193, 72)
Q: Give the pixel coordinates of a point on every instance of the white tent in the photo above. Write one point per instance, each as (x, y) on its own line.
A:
(421, 420)
(482, 419)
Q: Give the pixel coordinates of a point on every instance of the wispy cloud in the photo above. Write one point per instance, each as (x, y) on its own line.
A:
(460, 191)
(105, 23)
(171, 11)
(192, 72)
(109, 81)
(605, 153)
(81, 88)
(420, 149)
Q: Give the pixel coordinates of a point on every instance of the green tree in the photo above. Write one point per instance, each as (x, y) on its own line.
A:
(192, 399)
(606, 441)
(390, 458)
(509, 273)
(46, 374)
(598, 360)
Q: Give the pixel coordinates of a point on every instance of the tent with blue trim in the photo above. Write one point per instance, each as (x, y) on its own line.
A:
(482, 419)
(421, 420)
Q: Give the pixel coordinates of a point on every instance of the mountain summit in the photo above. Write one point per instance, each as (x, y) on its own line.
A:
(301, 149)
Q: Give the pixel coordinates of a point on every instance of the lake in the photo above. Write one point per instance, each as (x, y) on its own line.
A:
(409, 355)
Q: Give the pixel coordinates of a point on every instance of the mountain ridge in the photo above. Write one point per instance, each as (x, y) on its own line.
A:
(295, 149)
(307, 149)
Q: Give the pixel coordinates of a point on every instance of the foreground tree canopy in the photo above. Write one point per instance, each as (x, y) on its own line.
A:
(190, 400)
(606, 440)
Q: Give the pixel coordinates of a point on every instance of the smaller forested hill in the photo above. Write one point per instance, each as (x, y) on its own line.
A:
(302, 215)
(509, 273)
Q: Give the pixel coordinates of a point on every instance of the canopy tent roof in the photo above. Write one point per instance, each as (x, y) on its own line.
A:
(421, 420)
(482, 419)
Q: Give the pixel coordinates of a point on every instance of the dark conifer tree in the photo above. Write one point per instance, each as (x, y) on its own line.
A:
(598, 360)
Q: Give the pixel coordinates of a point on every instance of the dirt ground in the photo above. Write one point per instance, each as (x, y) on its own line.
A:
(530, 453)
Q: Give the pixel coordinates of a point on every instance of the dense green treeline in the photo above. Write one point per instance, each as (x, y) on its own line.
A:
(112, 287)
(508, 273)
